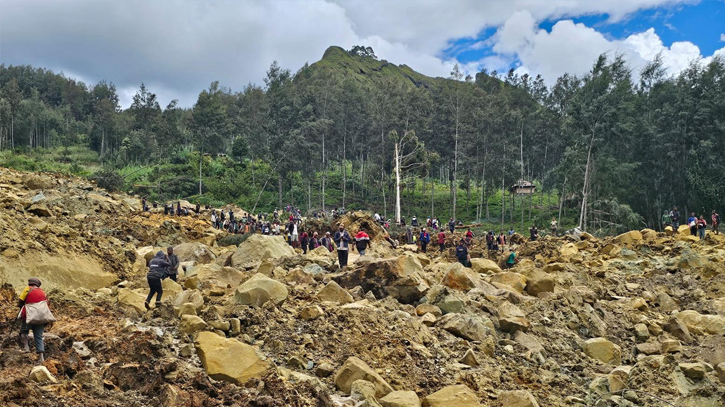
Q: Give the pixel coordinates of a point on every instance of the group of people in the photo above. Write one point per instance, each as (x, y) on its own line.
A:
(697, 224)
(161, 266)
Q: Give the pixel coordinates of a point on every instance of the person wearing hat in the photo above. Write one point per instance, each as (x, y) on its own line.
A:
(32, 294)
(342, 239)
(327, 242)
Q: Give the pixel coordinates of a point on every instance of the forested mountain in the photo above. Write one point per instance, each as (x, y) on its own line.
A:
(617, 146)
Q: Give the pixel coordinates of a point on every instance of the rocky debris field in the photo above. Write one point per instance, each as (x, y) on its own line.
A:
(632, 320)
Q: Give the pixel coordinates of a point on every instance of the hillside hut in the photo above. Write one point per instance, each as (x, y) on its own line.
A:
(522, 188)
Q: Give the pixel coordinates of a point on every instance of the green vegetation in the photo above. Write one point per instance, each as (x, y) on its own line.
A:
(619, 152)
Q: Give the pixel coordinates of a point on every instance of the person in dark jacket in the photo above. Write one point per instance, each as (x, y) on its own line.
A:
(157, 271)
(424, 240)
(314, 242)
(342, 239)
(31, 295)
(462, 254)
(327, 242)
(304, 241)
(362, 242)
(173, 269)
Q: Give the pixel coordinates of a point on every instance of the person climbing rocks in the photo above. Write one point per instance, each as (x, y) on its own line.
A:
(414, 222)
(675, 218)
(342, 240)
(424, 240)
(362, 242)
(692, 224)
(442, 240)
(701, 226)
(173, 269)
(157, 269)
(452, 225)
(715, 219)
(469, 233)
(512, 260)
(554, 226)
(462, 254)
(33, 294)
(666, 219)
(490, 239)
(533, 233)
(409, 236)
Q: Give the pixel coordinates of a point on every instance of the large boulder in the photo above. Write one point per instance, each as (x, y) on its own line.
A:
(190, 324)
(214, 275)
(511, 318)
(229, 359)
(703, 323)
(629, 238)
(63, 271)
(332, 292)
(603, 350)
(460, 278)
(469, 327)
(260, 289)
(568, 250)
(132, 298)
(189, 297)
(452, 396)
(41, 374)
(511, 280)
(197, 252)
(355, 369)
(540, 283)
(400, 399)
(517, 398)
(487, 266)
(261, 247)
(398, 277)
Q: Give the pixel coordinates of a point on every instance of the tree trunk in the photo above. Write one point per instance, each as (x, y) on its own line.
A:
(561, 200)
(279, 190)
(432, 197)
(201, 159)
(324, 171)
(344, 166)
(585, 188)
(397, 183)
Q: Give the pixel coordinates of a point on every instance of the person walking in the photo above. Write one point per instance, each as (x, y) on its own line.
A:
(342, 240)
(157, 271)
(452, 225)
(173, 269)
(314, 242)
(424, 240)
(462, 254)
(715, 219)
(692, 223)
(533, 233)
(304, 241)
(554, 226)
(701, 226)
(409, 235)
(362, 242)
(414, 222)
(442, 241)
(35, 299)
(326, 241)
(489, 240)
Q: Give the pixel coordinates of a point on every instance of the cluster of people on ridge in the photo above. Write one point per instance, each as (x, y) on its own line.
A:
(697, 224)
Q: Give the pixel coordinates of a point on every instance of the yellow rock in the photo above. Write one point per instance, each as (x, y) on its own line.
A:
(229, 359)
(603, 350)
(514, 280)
(452, 396)
(629, 238)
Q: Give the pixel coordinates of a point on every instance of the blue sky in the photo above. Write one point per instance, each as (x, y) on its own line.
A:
(702, 24)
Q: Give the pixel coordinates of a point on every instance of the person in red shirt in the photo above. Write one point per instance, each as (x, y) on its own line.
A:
(442, 240)
(31, 295)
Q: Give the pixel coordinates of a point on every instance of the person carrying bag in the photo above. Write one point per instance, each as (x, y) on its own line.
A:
(34, 315)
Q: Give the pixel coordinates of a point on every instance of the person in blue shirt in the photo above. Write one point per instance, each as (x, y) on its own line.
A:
(692, 223)
(424, 240)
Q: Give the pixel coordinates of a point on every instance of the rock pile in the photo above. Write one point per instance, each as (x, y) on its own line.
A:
(624, 321)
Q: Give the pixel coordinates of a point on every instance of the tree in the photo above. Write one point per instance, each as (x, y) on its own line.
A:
(11, 93)
(408, 154)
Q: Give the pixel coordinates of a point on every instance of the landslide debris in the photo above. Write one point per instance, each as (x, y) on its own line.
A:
(626, 321)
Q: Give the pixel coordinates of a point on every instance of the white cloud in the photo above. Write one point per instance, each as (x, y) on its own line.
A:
(722, 37)
(178, 47)
(573, 48)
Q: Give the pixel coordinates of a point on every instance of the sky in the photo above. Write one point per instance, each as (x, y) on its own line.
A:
(178, 47)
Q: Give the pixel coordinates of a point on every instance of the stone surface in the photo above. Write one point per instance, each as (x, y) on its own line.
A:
(603, 350)
(40, 374)
(517, 398)
(398, 277)
(400, 399)
(511, 318)
(540, 283)
(311, 312)
(694, 371)
(480, 265)
(470, 359)
(355, 369)
(191, 324)
(629, 238)
(261, 247)
(460, 278)
(197, 252)
(514, 280)
(132, 298)
(259, 289)
(678, 329)
(452, 396)
(229, 359)
(189, 296)
(470, 327)
(702, 323)
(618, 378)
(332, 292)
